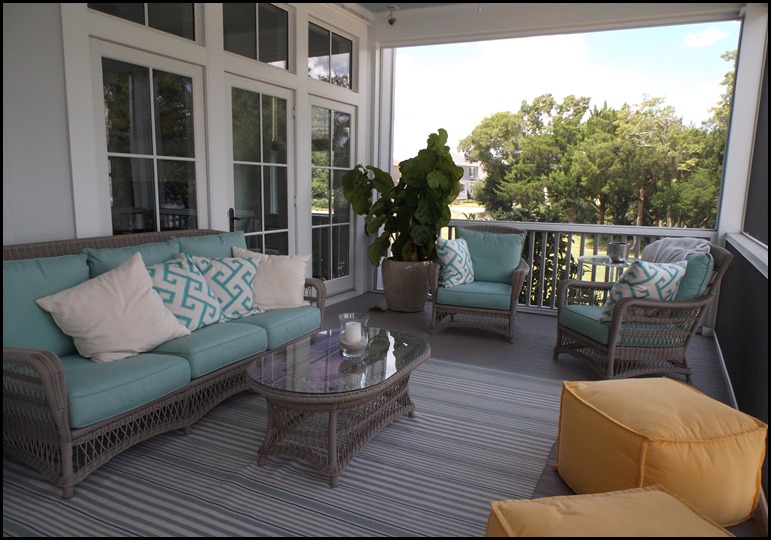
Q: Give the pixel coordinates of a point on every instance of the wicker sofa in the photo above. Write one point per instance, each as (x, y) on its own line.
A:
(50, 401)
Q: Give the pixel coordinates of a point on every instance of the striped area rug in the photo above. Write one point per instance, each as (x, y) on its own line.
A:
(480, 435)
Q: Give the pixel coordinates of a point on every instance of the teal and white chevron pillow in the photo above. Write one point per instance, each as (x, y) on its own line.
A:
(657, 281)
(455, 259)
(185, 292)
(231, 279)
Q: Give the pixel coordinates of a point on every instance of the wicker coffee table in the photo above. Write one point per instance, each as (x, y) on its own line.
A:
(323, 407)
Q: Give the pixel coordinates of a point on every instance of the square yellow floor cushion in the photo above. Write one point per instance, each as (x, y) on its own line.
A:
(649, 511)
(630, 433)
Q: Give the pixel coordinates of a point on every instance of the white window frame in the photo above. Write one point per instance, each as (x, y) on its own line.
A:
(102, 49)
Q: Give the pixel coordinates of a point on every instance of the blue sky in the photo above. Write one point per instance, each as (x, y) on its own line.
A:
(681, 64)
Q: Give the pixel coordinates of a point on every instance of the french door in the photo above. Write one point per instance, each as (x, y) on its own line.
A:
(262, 190)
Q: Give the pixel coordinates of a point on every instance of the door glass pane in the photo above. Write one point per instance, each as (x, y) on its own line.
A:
(132, 194)
(246, 125)
(320, 262)
(342, 50)
(127, 107)
(239, 23)
(320, 196)
(248, 198)
(276, 213)
(173, 114)
(274, 130)
(130, 12)
(277, 244)
(177, 19)
(341, 133)
(274, 36)
(318, 52)
(340, 246)
(176, 194)
(320, 136)
(254, 242)
(340, 207)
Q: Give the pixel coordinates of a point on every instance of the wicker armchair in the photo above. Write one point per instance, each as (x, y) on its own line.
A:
(499, 321)
(644, 336)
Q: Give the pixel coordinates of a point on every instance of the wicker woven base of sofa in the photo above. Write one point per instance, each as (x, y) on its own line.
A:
(35, 435)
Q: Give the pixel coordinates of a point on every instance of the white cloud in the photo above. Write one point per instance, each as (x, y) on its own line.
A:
(704, 38)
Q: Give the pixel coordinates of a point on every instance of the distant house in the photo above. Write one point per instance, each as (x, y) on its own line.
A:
(472, 173)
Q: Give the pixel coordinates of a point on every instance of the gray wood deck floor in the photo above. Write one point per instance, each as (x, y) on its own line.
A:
(531, 354)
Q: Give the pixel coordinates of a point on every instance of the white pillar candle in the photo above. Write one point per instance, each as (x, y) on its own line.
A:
(353, 332)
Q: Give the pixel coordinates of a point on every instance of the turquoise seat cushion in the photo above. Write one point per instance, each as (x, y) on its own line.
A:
(284, 324)
(106, 259)
(97, 391)
(587, 320)
(212, 246)
(494, 256)
(215, 346)
(25, 324)
(478, 294)
(697, 275)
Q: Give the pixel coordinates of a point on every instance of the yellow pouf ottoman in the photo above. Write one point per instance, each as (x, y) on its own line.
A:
(649, 511)
(630, 433)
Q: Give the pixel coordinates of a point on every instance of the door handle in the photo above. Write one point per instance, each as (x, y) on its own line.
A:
(232, 219)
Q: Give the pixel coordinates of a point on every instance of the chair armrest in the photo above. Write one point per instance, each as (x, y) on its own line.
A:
(316, 293)
(34, 393)
(576, 291)
(644, 319)
(518, 280)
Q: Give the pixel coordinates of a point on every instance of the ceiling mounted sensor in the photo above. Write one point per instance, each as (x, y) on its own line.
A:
(391, 19)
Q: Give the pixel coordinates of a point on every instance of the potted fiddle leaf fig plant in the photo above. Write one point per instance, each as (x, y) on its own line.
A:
(406, 217)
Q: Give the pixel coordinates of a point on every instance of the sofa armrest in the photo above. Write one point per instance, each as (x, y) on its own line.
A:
(316, 293)
(34, 396)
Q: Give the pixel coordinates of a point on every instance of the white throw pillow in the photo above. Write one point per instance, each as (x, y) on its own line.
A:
(231, 279)
(114, 315)
(455, 259)
(657, 281)
(185, 292)
(280, 280)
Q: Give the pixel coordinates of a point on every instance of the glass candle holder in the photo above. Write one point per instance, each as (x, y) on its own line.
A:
(618, 251)
(354, 334)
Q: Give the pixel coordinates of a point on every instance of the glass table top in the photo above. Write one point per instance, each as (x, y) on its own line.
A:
(315, 365)
(603, 260)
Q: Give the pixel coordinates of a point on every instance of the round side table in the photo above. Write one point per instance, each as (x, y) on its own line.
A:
(613, 269)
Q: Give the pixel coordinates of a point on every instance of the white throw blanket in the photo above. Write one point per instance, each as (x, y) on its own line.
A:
(674, 249)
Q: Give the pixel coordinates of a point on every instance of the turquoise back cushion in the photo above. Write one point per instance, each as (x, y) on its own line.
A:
(696, 276)
(213, 246)
(494, 256)
(25, 324)
(104, 260)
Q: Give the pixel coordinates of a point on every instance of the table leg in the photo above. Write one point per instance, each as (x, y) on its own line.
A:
(332, 446)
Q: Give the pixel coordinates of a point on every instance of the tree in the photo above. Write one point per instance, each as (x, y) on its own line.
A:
(636, 165)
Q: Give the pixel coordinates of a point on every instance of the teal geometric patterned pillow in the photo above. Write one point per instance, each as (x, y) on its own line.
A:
(657, 281)
(185, 292)
(455, 258)
(231, 279)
